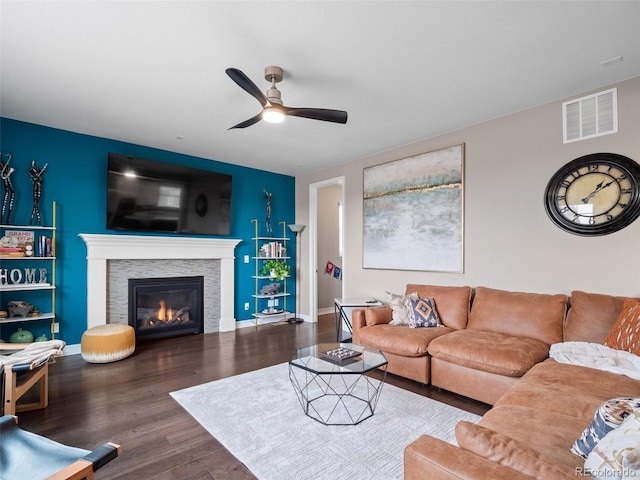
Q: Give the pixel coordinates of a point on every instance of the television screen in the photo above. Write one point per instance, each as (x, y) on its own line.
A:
(145, 195)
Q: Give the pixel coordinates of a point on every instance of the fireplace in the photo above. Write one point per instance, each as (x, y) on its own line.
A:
(166, 307)
(107, 292)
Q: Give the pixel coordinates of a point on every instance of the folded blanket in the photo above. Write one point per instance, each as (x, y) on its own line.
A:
(34, 354)
(595, 355)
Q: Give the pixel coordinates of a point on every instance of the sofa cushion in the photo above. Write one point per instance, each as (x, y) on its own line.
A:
(509, 452)
(422, 313)
(547, 432)
(398, 305)
(452, 302)
(625, 334)
(399, 340)
(551, 383)
(591, 316)
(533, 315)
(617, 452)
(490, 351)
(608, 417)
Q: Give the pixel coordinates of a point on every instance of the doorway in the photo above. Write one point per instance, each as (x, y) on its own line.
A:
(326, 201)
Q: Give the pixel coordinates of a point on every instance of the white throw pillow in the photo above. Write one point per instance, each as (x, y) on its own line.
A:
(617, 455)
(400, 313)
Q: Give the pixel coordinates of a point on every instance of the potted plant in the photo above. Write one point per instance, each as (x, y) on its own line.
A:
(277, 269)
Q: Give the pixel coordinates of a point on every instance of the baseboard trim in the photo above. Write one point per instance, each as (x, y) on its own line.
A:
(75, 348)
(252, 323)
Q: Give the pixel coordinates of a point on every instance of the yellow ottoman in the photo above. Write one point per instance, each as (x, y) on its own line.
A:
(108, 343)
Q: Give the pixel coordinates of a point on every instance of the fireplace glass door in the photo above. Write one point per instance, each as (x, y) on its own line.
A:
(166, 307)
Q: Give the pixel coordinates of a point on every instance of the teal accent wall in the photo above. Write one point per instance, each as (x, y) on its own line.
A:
(76, 178)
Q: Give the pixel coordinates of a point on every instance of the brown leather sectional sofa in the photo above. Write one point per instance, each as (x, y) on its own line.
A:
(494, 348)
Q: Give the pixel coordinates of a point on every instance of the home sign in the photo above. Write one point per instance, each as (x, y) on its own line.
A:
(17, 276)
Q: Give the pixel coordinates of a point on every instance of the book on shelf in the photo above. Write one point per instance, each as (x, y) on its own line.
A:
(23, 240)
(44, 247)
(18, 254)
(272, 249)
(22, 236)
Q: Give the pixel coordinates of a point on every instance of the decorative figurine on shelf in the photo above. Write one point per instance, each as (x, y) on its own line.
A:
(9, 193)
(21, 336)
(270, 289)
(267, 195)
(36, 177)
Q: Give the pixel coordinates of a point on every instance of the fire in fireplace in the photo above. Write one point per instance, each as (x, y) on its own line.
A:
(166, 307)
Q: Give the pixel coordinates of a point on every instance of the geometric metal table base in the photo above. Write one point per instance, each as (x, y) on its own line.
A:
(337, 394)
(336, 399)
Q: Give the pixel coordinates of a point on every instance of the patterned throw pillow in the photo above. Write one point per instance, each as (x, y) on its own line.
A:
(617, 455)
(608, 417)
(400, 314)
(422, 313)
(625, 334)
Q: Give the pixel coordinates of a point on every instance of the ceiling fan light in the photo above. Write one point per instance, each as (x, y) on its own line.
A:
(273, 115)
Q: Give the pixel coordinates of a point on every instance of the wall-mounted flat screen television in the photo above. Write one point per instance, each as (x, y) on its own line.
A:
(150, 196)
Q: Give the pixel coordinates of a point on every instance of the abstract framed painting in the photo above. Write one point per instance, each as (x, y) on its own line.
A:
(413, 212)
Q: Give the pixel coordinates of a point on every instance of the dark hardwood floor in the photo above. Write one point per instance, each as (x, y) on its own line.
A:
(128, 402)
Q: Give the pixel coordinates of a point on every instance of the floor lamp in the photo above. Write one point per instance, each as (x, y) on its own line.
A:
(296, 229)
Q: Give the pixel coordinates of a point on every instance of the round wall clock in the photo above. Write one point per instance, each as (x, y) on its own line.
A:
(594, 195)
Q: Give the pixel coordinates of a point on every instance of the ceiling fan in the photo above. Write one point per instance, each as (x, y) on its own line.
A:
(273, 111)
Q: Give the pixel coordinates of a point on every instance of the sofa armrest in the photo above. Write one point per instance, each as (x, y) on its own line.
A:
(357, 322)
(369, 316)
(357, 319)
(429, 457)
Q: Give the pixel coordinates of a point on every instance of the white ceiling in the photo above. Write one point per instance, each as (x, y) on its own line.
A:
(147, 72)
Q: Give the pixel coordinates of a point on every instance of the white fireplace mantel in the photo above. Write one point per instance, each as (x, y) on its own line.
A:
(101, 248)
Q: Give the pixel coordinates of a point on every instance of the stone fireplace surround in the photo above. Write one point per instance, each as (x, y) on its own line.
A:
(119, 272)
(101, 249)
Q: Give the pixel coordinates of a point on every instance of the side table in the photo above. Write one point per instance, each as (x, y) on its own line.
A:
(342, 313)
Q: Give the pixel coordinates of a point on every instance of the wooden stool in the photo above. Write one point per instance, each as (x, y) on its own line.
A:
(17, 382)
(108, 343)
(26, 366)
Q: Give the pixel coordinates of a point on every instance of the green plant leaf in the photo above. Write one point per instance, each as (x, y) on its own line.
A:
(279, 268)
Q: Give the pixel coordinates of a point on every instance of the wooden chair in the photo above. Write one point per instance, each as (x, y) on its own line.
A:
(26, 366)
(25, 455)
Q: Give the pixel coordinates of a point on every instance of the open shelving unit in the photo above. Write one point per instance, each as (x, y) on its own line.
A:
(262, 302)
(30, 274)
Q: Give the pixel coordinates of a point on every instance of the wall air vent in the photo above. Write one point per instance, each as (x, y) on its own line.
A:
(590, 116)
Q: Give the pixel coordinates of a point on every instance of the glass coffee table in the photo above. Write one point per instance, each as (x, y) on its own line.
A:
(335, 392)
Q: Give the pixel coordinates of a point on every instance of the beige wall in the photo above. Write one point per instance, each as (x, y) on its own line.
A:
(509, 242)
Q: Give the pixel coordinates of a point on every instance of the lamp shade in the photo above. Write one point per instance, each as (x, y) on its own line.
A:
(297, 228)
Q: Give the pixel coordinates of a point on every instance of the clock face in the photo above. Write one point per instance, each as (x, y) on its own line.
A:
(594, 195)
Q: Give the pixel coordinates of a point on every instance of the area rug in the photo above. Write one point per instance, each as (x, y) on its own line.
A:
(258, 418)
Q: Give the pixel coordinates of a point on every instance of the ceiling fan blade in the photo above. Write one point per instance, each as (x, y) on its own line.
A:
(248, 123)
(324, 114)
(247, 85)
